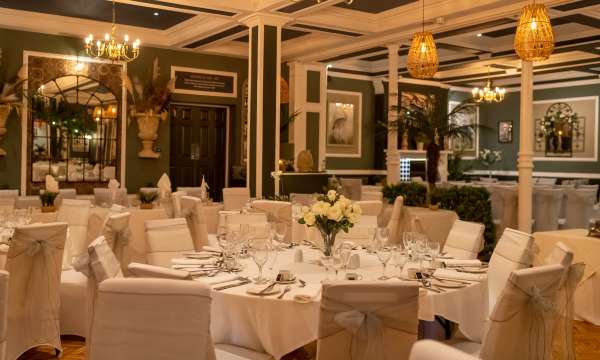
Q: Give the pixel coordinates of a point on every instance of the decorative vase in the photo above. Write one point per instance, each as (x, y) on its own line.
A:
(148, 123)
(328, 242)
(145, 206)
(404, 144)
(4, 112)
(48, 208)
(420, 146)
(305, 161)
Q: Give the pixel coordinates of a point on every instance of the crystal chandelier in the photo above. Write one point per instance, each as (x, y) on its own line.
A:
(110, 48)
(489, 93)
(534, 39)
(422, 61)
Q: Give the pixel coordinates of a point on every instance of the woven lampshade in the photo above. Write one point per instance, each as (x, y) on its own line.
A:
(534, 40)
(422, 61)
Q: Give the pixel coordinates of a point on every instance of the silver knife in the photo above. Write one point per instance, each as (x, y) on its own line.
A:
(232, 285)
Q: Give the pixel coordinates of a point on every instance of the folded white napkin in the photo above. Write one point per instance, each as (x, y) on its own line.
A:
(462, 262)
(164, 184)
(307, 294)
(451, 274)
(219, 280)
(212, 248)
(51, 184)
(185, 261)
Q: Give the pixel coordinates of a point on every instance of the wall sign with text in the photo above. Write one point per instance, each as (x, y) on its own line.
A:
(204, 82)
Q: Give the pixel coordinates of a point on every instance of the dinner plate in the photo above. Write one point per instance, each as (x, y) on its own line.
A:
(257, 288)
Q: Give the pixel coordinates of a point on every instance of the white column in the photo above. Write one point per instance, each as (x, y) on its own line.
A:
(525, 160)
(298, 103)
(393, 158)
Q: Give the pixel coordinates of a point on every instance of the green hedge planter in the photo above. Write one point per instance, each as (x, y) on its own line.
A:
(414, 194)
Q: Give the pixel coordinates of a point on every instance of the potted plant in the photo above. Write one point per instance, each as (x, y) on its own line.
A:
(10, 99)
(147, 199)
(421, 139)
(149, 101)
(48, 195)
(331, 214)
(488, 158)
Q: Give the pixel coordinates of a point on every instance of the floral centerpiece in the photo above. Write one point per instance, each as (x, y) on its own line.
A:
(331, 214)
(147, 199)
(48, 196)
(489, 157)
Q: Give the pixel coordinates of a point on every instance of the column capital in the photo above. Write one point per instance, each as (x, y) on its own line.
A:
(265, 19)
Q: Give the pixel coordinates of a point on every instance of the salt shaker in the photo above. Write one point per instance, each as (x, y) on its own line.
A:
(298, 256)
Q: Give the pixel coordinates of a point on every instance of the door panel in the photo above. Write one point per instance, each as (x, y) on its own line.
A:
(198, 147)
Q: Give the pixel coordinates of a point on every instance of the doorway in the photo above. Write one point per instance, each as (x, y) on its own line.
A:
(199, 146)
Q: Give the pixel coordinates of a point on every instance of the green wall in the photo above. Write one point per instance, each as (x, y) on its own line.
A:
(366, 161)
(139, 172)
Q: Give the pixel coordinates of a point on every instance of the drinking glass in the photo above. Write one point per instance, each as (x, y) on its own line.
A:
(341, 258)
(400, 259)
(259, 250)
(384, 254)
(434, 250)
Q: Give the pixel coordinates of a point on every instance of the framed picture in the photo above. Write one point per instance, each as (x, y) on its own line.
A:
(344, 123)
(505, 133)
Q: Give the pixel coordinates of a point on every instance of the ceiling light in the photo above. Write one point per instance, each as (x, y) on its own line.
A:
(534, 40)
(479, 35)
(156, 13)
(109, 47)
(422, 61)
(489, 93)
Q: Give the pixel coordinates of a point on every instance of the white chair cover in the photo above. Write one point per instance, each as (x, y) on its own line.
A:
(7, 204)
(547, 203)
(360, 234)
(580, 207)
(4, 280)
(513, 251)
(34, 262)
(303, 199)
(522, 322)
(160, 319)
(191, 191)
(561, 254)
(76, 213)
(9, 194)
(117, 233)
(167, 239)
(176, 203)
(546, 181)
(371, 192)
(433, 350)
(235, 198)
(192, 212)
(509, 196)
(104, 196)
(370, 207)
(150, 271)
(257, 223)
(351, 188)
(367, 321)
(277, 211)
(465, 240)
(394, 223)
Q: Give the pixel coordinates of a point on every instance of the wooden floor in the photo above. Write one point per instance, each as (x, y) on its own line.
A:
(587, 346)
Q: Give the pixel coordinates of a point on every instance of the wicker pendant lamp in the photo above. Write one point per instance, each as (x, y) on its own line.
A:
(422, 61)
(534, 40)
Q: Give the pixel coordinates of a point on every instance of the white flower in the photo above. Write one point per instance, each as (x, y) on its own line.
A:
(309, 218)
(320, 208)
(343, 202)
(353, 218)
(335, 213)
(331, 195)
(356, 209)
(51, 184)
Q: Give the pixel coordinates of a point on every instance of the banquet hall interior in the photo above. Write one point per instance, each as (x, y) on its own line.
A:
(299, 179)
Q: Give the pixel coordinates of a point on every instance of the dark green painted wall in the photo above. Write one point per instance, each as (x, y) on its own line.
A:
(139, 172)
(312, 140)
(313, 86)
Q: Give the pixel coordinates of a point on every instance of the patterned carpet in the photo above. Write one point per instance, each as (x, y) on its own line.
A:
(587, 346)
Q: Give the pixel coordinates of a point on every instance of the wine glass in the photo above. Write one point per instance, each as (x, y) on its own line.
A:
(341, 258)
(280, 230)
(259, 250)
(434, 250)
(384, 254)
(400, 259)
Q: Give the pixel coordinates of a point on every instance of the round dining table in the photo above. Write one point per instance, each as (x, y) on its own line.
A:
(278, 326)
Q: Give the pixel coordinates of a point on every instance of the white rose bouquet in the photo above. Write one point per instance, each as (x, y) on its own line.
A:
(331, 213)
(489, 157)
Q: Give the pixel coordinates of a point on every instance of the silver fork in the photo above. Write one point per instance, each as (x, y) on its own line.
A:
(285, 291)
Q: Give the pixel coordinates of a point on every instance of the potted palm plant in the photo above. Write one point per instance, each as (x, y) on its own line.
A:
(10, 99)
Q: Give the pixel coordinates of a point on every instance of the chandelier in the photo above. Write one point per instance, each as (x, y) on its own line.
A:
(422, 60)
(534, 40)
(110, 48)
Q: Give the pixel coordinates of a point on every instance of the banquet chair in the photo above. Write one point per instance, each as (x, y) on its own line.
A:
(256, 223)
(116, 232)
(547, 203)
(351, 188)
(99, 264)
(522, 321)
(139, 270)
(191, 191)
(513, 251)
(277, 211)
(361, 234)
(235, 198)
(64, 194)
(191, 210)
(371, 192)
(34, 264)
(303, 199)
(76, 213)
(104, 196)
(167, 239)
(394, 223)
(370, 207)
(465, 240)
(4, 280)
(545, 181)
(378, 318)
(508, 196)
(157, 319)
(435, 350)
(176, 203)
(580, 207)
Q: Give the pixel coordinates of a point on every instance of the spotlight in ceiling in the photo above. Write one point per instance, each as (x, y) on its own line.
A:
(156, 13)
(479, 35)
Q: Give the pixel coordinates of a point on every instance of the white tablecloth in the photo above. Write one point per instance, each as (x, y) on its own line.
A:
(278, 327)
(586, 249)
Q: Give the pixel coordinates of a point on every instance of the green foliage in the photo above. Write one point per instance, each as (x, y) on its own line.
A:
(457, 167)
(470, 204)
(147, 197)
(47, 198)
(414, 193)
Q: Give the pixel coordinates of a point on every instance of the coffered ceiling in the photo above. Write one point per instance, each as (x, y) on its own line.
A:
(474, 37)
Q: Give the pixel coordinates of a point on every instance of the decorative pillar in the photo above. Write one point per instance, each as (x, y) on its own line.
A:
(298, 103)
(393, 157)
(526, 136)
(264, 73)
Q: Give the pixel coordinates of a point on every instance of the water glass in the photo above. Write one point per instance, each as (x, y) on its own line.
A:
(259, 250)
(400, 259)
(384, 254)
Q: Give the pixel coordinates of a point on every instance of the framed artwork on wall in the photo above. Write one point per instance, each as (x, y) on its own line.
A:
(344, 123)
(505, 132)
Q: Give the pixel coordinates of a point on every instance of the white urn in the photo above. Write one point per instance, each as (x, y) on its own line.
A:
(4, 113)
(148, 123)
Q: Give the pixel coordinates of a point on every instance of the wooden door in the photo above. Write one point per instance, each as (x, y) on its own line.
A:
(198, 147)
